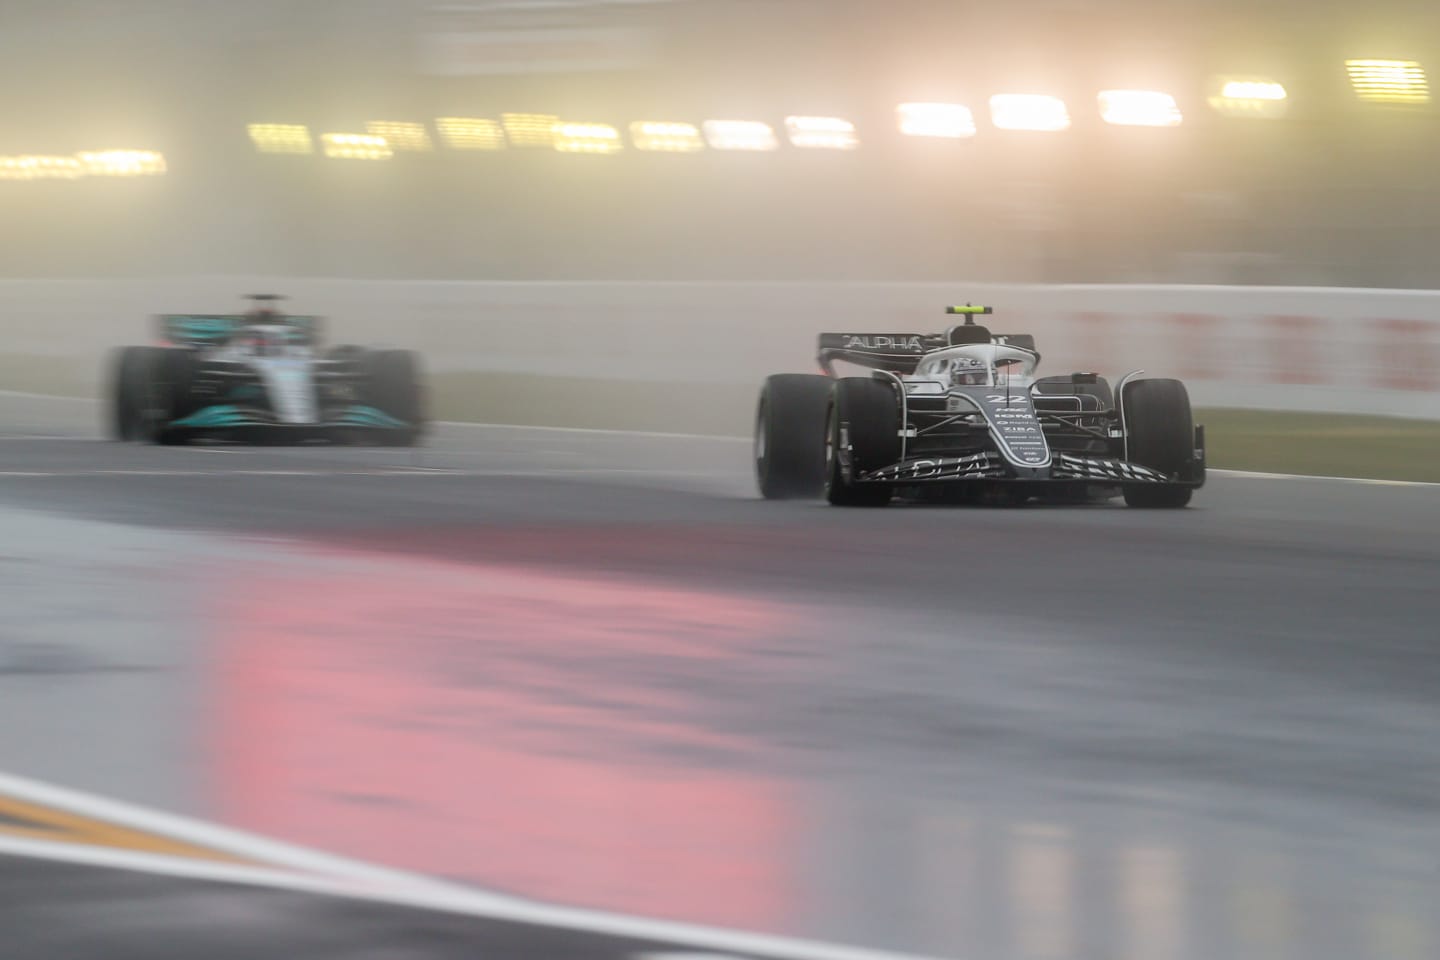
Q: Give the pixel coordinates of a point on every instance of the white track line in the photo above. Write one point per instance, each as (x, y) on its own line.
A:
(23, 395)
(373, 472)
(551, 473)
(1251, 475)
(466, 424)
(718, 438)
(1247, 474)
(194, 832)
(328, 875)
(547, 473)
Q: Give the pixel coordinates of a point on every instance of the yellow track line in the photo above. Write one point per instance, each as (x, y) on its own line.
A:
(21, 819)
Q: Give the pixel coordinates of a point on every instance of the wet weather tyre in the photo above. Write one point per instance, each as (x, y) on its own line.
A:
(121, 411)
(392, 385)
(790, 436)
(167, 394)
(1161, 436)
(862, 434)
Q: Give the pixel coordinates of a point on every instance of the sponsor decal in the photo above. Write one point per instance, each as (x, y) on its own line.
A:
(1098, 468)
(1198, 336)
(897, 343)
(1409, 354)
(1016, 430)
(976, 466)
(1294, 346)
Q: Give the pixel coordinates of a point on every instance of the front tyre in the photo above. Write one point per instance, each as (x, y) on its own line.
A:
(391, 383)
(862, 433)
(1161, 435)
(790, 436)
(164, 392)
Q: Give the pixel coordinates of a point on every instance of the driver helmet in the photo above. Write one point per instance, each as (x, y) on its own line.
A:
(264, 343)
(968, 371)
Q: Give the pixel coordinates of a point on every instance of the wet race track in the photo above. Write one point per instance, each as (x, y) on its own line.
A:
(593, 669)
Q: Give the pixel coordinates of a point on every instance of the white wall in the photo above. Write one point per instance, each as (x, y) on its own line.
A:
(1366, 351)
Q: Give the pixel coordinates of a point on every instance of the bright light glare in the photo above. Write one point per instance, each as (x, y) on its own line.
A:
(530, 129)
(740, 135)
(281, 138)
(822, 133)
(40, 168)
(1253, 90)
(665, 137)
(597, 138)
(471, 133)
(949, 120)
(1029, 111)
(401, 135)
(1255, 97)
(355, 146)
(122, 163)
(1139, 108)
(1389, 81)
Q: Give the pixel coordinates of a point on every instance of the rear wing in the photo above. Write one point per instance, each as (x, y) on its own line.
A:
(198, 329)
(896, 352)
(901, 352)
(204, 330)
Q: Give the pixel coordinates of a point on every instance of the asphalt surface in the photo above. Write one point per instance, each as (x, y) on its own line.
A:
(126, 915)
(594, 669)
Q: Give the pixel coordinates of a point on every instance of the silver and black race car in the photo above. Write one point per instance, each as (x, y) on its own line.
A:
(262, 376)
(960, 416)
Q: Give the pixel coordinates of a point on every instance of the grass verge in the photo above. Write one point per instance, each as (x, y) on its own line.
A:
(1322, 444)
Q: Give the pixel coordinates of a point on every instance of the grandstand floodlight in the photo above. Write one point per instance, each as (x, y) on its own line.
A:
(281, 138)
(1389, 81)
(822, 133)
(40, 168)
(355, 146)
(952, 121)
(1251, 97)
(745, 135)
(593, 138)
(471, 133)
(1029, 111)
(662, 136)
(122, 163)
(401, 135)
(530, 129)
(1139, 108)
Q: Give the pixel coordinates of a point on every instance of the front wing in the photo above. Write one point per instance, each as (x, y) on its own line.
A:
(992, 467)
(256, 424)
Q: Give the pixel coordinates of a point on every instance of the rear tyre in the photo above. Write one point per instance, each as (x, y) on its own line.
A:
(121, 414)
(1161, 436)
(790, 436)
(391, 384)
(863, 429)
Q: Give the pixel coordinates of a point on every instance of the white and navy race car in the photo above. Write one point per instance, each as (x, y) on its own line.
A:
(262, 376)
(961, 416)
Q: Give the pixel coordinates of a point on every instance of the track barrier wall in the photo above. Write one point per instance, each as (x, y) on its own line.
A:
(1306, 349)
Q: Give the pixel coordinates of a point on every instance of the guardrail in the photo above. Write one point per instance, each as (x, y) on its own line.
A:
(1338, 350)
